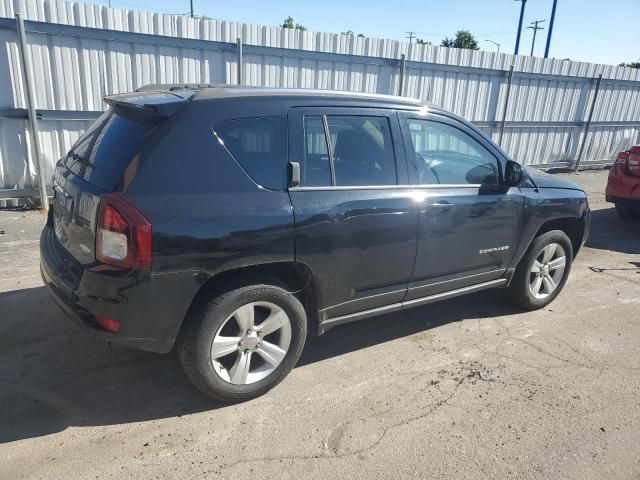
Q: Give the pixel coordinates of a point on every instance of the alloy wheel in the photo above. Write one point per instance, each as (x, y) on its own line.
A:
(251, 343)
(547, 271)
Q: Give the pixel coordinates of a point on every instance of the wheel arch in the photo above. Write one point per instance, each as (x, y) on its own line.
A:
(297, 278)
(573, 227)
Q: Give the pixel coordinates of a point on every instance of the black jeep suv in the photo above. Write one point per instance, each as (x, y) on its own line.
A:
(233, 221)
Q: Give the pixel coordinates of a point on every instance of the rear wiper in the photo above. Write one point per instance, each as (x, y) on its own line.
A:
(79, 159)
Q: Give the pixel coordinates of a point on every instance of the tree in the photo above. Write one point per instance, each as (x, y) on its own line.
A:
(420, 41)
(289, 23)
(463, 39)
(631, 64)
(351, 33)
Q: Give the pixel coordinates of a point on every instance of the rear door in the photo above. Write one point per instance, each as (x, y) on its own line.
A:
(469, 222)
(356, 222)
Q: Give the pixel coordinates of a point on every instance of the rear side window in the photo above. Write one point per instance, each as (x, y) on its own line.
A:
(362, 150)
(316, 170)
(104, 153)
(260, 146)
(348, 150)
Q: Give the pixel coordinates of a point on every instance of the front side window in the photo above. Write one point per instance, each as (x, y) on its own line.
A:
(260, 146)
(447, 155)
(348, 150)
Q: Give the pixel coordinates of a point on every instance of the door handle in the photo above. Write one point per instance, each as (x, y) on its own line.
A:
(441, 204)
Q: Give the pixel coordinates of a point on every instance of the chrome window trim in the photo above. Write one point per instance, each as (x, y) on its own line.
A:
(385, 187)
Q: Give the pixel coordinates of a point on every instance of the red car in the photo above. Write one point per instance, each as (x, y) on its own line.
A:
(623, 186)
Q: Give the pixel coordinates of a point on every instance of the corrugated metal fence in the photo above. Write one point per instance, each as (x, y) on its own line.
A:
(81, 52)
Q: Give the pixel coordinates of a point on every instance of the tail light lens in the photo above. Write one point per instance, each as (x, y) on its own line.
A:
(622, 158)
(123, 234)
(633, 165)
(108, 324)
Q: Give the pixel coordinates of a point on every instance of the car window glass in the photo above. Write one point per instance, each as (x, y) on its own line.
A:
(362, 150)
(104, 152)
(315, 170)
(447, 155)
(260, 146)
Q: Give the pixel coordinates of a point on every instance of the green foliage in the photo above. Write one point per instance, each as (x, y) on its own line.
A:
(463, 39)
(631, 64)
(289, 23)
(351, 33)
(420, 41)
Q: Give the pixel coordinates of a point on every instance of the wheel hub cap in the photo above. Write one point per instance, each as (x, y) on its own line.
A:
(251, 341)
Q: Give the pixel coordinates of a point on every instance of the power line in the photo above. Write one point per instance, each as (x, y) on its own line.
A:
(410, 35)
(535, 29)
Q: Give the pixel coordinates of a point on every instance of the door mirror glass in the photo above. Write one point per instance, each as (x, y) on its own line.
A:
(514, 173)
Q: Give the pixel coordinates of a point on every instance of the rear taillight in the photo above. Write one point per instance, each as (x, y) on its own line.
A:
(622, 158)
(633, 165)
(123, 234)
(108, 324)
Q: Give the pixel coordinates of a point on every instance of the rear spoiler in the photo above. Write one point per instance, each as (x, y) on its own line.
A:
(150, 104)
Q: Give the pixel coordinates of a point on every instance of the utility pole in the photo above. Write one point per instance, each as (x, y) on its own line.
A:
(519, 26)
(495, 43)
(410, 35)
(191, 8)
(553, 16)
(535, 29)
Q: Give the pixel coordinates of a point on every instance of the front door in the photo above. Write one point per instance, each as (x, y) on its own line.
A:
(355, 218)
(469, 223)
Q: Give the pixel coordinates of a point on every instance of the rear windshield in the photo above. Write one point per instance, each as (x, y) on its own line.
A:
(104, 153)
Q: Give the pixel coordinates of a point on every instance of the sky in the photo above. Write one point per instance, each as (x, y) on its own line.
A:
(584, 30)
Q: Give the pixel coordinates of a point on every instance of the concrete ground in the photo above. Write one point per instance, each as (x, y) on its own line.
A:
(468, 388)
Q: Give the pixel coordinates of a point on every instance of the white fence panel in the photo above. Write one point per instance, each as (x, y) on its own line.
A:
(81, 52)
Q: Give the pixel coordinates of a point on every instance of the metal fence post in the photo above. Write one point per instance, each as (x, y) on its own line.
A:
(31, 111)
(588, 124)
(239, 61)
(403, 66)
(505, 105)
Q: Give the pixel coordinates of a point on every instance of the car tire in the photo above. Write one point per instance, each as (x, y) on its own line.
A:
(541, 274)
(270, 327)
(624, 211)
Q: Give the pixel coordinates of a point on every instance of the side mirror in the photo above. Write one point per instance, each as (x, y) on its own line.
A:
(293, 174)
(514, 173)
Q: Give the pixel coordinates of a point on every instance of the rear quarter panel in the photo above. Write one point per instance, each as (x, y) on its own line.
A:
(208, 215)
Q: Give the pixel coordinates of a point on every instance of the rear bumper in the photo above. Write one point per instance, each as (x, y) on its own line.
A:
(622, 187)
(630, 202)
(150, 310)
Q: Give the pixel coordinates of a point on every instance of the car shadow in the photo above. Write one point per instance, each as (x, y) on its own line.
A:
(55, 375)
(611, 232)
